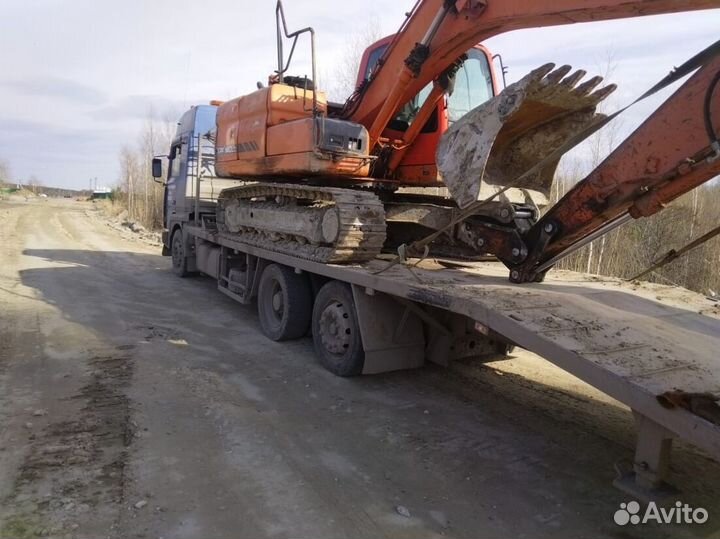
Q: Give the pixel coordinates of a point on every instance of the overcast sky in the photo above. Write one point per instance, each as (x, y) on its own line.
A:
(78, 77)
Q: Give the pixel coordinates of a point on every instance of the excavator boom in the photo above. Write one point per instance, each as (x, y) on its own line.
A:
(437, 32)
(500, 142)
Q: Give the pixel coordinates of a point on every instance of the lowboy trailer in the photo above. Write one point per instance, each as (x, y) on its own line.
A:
(658, 357)
(641, 351)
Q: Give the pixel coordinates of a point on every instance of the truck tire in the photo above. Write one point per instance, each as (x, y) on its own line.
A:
(284, 303)
(335, 330)
(179, 258)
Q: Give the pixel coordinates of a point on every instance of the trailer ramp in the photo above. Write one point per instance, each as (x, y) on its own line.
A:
(651, 347)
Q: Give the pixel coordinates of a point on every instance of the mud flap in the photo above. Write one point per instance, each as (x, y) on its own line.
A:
(165, 247)
(392, 336)
(494, 144)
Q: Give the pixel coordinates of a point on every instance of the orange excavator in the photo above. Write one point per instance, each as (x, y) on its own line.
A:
(429, 157)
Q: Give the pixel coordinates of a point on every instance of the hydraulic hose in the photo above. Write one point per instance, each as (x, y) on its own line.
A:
(711, 132)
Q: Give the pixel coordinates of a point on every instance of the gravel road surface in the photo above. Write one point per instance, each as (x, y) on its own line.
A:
(136, 404)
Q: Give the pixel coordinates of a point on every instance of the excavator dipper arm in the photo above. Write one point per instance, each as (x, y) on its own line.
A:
(675, 150)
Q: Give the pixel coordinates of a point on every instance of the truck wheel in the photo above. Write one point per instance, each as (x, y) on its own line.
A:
(179, 260)
(335, 329)
(284, 303)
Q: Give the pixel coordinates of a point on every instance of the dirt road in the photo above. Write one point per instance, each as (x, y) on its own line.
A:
(136, 404)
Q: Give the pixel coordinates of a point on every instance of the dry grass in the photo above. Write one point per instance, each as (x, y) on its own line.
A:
(111, 208)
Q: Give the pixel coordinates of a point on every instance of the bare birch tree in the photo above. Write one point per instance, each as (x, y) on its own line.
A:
(141, 194)
(35, 184)
(4, 172)
(344, 75)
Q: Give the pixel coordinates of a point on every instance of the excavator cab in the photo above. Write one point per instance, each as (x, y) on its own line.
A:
(474, 84)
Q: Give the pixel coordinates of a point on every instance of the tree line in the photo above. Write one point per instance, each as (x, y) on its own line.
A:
(33, 183)
(634, 247)
(137, 192)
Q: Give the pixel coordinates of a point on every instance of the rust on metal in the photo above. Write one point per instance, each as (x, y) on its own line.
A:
(704, 405)
(668, 155)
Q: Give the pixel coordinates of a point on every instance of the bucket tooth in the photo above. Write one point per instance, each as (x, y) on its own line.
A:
(573, 79)
(557, 75)
(541, 71)
(603, 92)
(494, 144)
(586, 87)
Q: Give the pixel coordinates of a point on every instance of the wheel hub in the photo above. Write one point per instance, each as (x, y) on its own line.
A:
(335, 332)
(177, 253)
(278, 301)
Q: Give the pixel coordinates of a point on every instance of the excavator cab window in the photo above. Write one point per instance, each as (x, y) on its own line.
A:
(373, 59)
(408, 113)
(473, 85)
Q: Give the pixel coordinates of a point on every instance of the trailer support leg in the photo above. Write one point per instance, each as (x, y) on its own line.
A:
(646, 479)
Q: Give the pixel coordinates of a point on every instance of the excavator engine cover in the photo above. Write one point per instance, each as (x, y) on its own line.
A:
(275, 132)
(494, 144)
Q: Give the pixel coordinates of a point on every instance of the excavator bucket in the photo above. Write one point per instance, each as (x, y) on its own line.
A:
(494, 144)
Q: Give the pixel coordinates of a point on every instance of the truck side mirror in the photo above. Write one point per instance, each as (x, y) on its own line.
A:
(157, 167)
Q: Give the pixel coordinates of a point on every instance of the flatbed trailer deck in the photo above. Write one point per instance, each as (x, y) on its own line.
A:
(638, 344)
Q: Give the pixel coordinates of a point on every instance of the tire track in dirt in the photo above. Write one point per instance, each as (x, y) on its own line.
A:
(75, 470)
(67, 426)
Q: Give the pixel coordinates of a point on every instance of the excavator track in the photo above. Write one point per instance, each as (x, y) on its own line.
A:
(322, 224)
